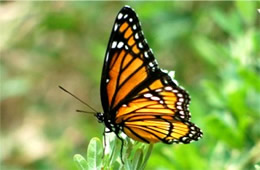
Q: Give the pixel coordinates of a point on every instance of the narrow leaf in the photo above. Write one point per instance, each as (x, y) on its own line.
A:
(94, 154)
(137, 160)
(147, 155)
(80, 162)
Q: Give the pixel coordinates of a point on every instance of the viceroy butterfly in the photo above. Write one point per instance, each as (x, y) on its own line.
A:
(138, 98)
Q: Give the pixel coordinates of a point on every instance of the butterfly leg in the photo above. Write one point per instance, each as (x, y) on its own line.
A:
(104, 143)
(122, 146)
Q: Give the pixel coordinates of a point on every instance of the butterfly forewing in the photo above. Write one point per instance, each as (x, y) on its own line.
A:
(126, 62)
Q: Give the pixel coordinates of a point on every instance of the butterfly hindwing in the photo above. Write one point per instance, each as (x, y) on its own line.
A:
(159, 113)
(165, 129)
(161, 96)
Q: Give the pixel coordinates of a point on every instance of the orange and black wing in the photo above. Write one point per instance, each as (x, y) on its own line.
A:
(129, 62)
(158, 113)
(139, 97)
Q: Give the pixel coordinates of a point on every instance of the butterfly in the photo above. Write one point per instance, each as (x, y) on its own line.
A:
(138, 97)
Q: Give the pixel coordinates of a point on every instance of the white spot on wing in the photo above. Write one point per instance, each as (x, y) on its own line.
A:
(140, 45)
(136, 36)
(181, 99)
(168, 88)
(151, 64)
(175, 91)
(179, 95)
(115, 27)
(114, 44)
(148, 95)
(181, 112)
(120, 15)
(126, 15)
(130, 19)
(155, 98)
(107, 56)
(134, 26)
(179, 107)
(158, 90)
(178, 103)
(146, 54)
(184, 138)
(120, 44)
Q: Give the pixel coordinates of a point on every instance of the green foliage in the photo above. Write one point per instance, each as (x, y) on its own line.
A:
(213, 47)
(133, 155)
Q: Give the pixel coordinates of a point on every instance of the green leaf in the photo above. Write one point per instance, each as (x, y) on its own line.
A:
(94, 154)
(115, 151)
(229, 22)
(80, 162)
(147, 155)
(128, 165)
(247, 11)
(212, 52)
(257, 167)
(221, 125)
(137, 160)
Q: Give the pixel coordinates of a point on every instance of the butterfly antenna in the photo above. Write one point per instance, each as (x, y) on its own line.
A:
(83, 111)
(78, 100)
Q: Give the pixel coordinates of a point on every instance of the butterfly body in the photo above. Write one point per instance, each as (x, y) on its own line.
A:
(139, 98)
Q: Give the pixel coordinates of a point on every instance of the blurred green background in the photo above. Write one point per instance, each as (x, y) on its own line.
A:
(214, 47)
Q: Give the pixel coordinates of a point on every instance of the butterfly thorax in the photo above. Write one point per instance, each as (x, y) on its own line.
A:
(102, 118)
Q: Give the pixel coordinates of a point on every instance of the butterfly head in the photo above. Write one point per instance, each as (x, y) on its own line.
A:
(100, 117)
